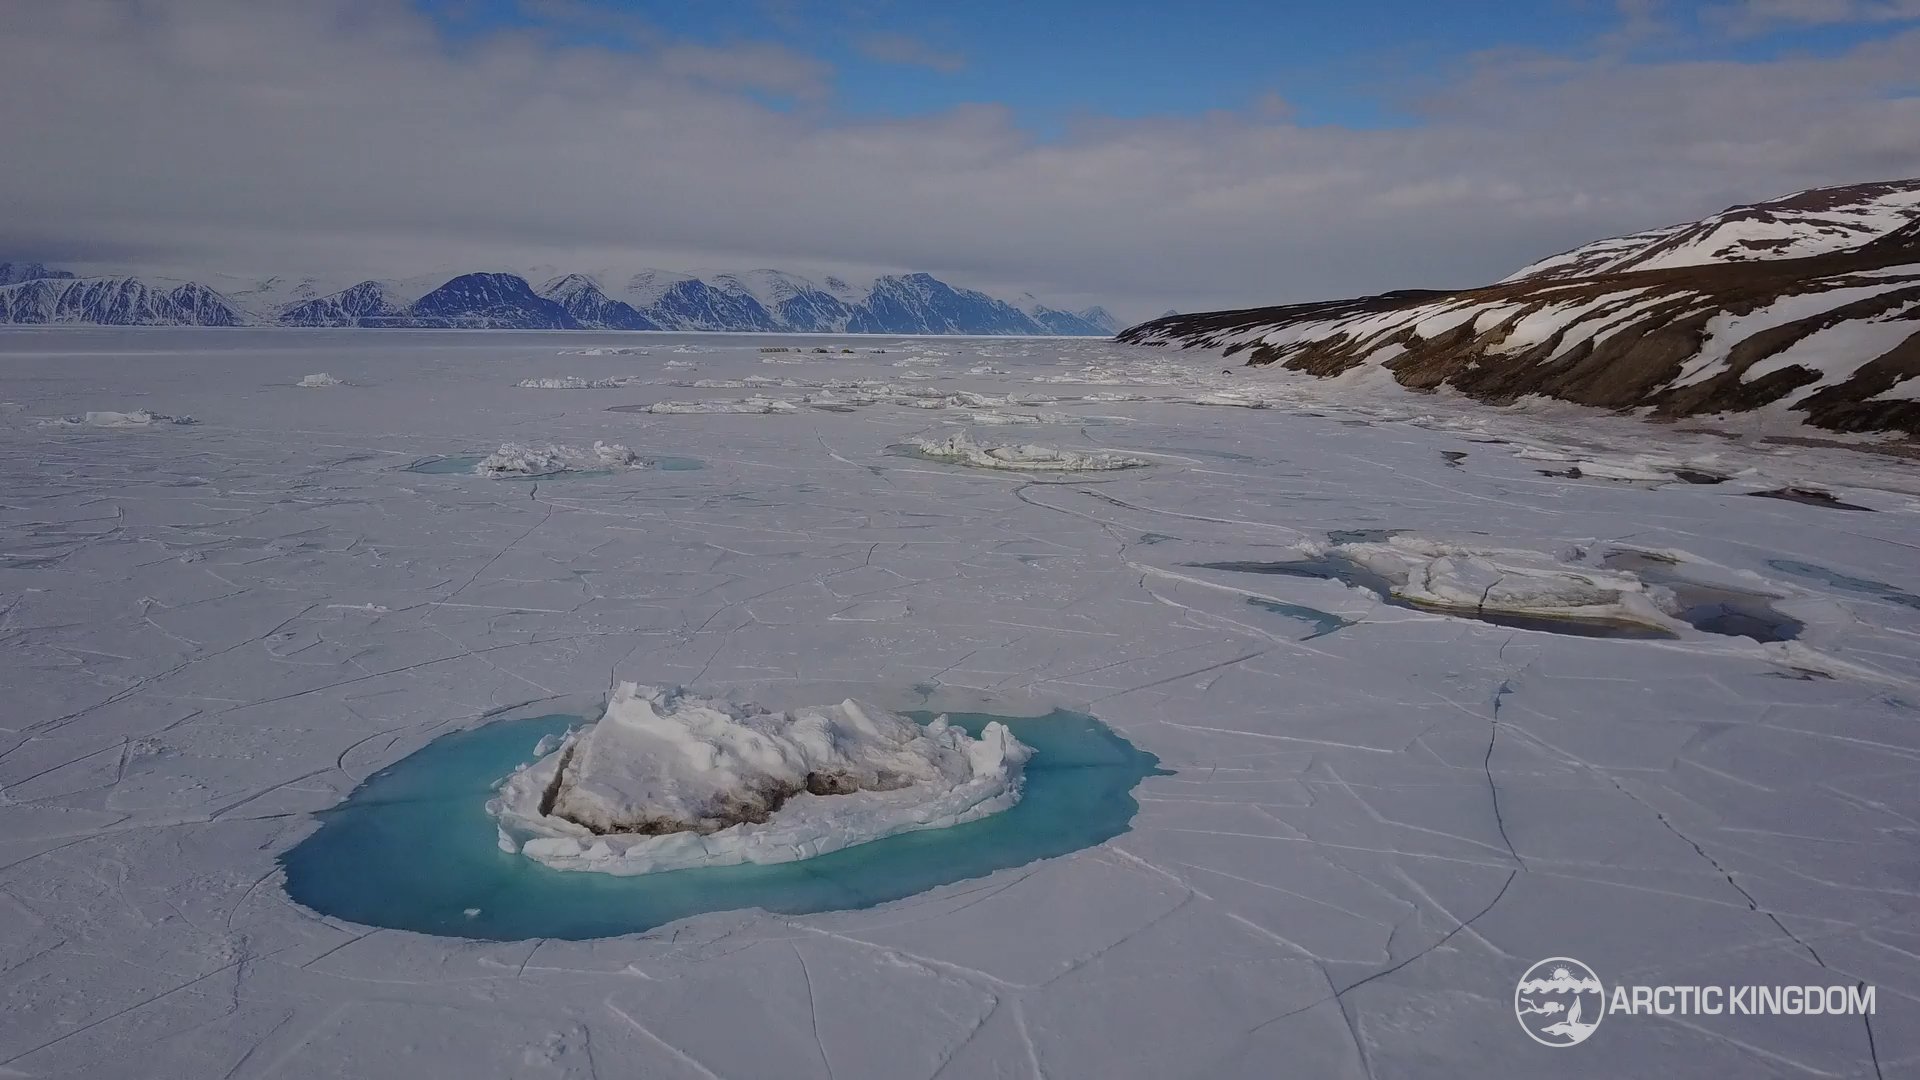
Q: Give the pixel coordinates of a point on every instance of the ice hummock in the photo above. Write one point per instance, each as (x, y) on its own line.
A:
(103, 418)
(575, 382)
(667, 781)
(757, 404)
(515, 459)
(1471, 578)
(1021, 457)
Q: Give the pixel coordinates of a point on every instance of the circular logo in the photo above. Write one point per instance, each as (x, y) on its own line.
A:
(1559, 1002)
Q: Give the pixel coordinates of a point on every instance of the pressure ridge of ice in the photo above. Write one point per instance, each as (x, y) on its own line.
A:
(667, 781)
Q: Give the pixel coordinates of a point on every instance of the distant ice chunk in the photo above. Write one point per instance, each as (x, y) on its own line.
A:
(1645, 468)
(574, 382)
(750, 381)
(667, 781)
(1228, 399)
(1030, 457)
(320, 381)
(515, 459)
(755, 404)
(107, 419)
(994, 418)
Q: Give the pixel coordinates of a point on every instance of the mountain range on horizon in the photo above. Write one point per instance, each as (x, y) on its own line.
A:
(770, 301)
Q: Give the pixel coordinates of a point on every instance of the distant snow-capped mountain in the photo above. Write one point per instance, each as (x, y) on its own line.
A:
(116, 301)
(1069, 322)
(582, 299)
(755, 300)
(1808, 303)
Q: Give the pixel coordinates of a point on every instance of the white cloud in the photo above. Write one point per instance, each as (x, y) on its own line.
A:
(1760, 16)
(345, 136)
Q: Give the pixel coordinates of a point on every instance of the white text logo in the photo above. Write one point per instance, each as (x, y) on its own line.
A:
(1560, 1001)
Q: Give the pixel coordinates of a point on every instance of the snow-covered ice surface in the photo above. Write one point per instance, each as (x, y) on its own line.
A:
(665, 781)
(1377, 817)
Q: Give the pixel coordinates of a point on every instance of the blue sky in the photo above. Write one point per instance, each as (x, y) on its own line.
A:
(1058, 62)
(1142, 156)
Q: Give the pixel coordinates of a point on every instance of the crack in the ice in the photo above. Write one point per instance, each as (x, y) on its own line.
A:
(1486, 763)
(813, 1011)
(1340, 994)
(679, 1055)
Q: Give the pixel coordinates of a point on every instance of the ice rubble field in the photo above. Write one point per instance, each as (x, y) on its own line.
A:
(1378, 814)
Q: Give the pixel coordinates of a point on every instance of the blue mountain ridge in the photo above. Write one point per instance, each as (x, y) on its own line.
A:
(764, 301)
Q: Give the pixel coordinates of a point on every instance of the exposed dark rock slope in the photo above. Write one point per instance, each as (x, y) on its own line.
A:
(1832, 336)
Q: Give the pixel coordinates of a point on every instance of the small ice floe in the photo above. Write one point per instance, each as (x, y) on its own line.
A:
(966, 399)
(841, 401)
(677, 364)
(755, 404)
(1621, 593)
(515, 459)
(995, 418)
(1480, 580)
(735, 384)
(1633, 468)
(319, 380)
(574, 382)
(1031, 457)
(666, 781)
(604, 351)
(1226, 399)
(138, 418)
